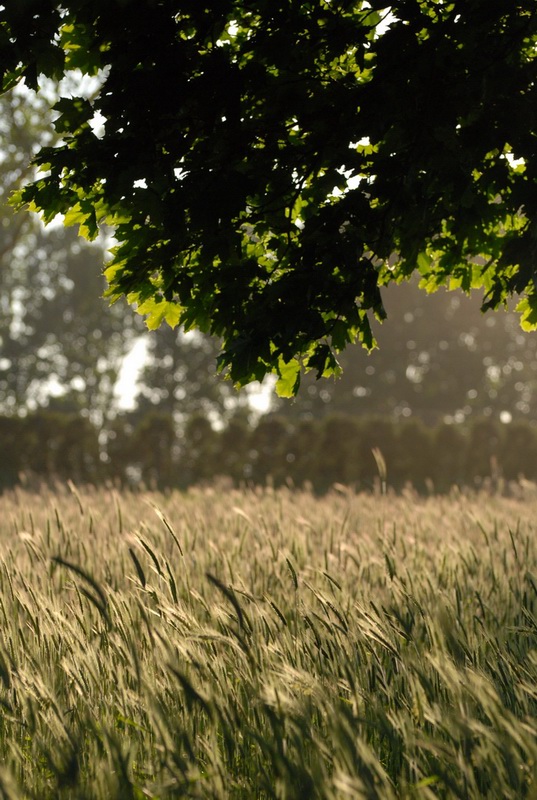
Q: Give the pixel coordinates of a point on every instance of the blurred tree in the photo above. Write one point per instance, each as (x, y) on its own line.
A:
(155, 446)
(179, 377)
(303, 450)
(58, 337)
(439, 358)
(414, 456)
(199, 460)
(337, 456)
(11, 438)
(484, 445)
(120, 454)
(269, 448)
(375, 433)
(449, 447)
(59, 446)
(518, 452)
(234, 448)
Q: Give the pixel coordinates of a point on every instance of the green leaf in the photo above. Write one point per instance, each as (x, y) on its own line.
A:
(158, 311)
(528, 310)
(342, 334)
(424, 262)
(83, 215)
(289, 377)
(74, 114)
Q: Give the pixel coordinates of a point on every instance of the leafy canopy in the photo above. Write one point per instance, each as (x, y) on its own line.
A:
(269, 164)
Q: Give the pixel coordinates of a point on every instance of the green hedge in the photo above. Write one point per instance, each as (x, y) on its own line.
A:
(337, 449)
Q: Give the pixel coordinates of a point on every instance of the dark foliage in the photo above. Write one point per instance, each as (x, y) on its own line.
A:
(146, 452)
(231, 129)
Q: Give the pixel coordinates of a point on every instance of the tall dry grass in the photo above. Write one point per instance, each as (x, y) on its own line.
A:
(227, 644)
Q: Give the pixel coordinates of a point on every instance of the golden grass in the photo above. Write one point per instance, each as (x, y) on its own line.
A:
(267, 644)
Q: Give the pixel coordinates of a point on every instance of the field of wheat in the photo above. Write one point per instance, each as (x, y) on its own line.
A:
(267, 644)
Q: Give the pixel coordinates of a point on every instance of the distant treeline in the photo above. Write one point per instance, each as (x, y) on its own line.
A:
(337, 449)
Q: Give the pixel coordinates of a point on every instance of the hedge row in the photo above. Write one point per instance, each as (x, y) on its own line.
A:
(338, 449)
(362, 451)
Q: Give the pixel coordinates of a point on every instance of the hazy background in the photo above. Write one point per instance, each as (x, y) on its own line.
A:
(86, 392)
